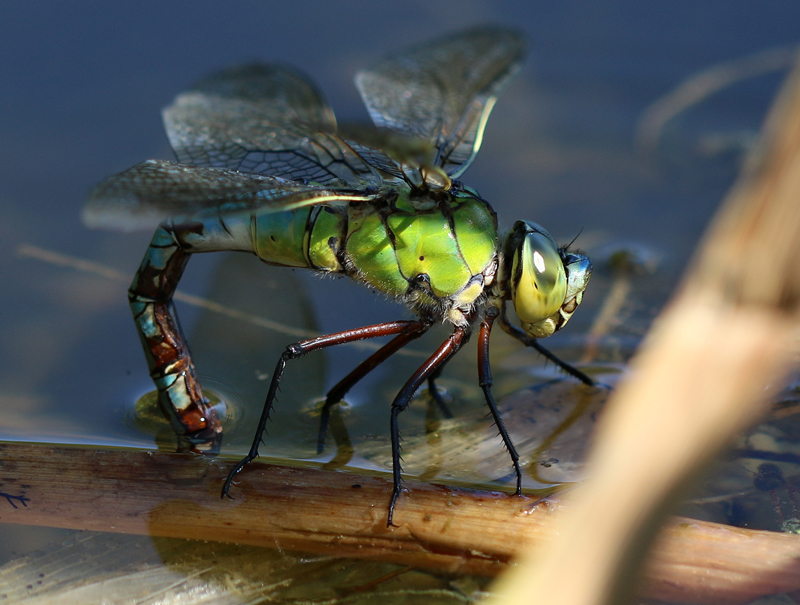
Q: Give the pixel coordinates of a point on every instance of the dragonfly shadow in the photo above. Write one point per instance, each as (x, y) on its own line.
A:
(236, 358)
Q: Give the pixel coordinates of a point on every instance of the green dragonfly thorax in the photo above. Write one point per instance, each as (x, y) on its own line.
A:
(546, 282)
(437, 260)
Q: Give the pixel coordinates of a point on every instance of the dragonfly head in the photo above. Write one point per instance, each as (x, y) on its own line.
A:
(546, 281)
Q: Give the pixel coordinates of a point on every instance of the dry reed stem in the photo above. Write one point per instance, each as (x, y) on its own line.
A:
(698, 380)
(703, 84)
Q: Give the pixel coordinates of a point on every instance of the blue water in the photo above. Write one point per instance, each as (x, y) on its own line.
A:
(82, 85)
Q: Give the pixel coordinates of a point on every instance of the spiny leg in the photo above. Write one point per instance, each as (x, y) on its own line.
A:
(400, 403)
(485, 381)
(179, 393)
(296, 350)
(336, 394)
(529, 341)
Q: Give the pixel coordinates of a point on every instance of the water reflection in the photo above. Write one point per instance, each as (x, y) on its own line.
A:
(90, 568)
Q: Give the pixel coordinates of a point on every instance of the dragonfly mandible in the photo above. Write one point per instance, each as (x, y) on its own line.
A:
(263, 169)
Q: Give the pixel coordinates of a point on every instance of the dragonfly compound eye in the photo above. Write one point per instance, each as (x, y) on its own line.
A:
(538, 279)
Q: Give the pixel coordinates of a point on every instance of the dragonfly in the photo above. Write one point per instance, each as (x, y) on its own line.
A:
(262, 168)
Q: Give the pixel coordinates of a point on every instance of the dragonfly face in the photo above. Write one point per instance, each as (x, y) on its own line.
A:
(263, 168)
(546, 282)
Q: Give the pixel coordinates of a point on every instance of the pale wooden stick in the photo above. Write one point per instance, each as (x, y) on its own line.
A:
(698, 380)
(341, 514)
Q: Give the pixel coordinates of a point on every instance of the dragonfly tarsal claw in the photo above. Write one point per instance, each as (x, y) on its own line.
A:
(226, 487)
(396, 491)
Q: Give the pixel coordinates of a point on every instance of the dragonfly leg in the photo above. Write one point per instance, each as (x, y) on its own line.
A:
(336, 394)
(528, 341)
(298, 349)
(438, 400)
(485, 381)
(400, 403)
(168, 357)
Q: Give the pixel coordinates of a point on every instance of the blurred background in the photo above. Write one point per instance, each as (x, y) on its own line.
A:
(590, 140)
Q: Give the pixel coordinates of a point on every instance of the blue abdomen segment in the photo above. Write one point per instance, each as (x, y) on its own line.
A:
(168, 357)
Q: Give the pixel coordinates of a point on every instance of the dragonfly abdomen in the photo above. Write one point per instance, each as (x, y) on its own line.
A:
(309, 237)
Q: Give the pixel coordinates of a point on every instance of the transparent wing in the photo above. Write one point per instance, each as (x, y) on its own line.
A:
(265, 119)
(143, 196)
(388, 151)
(444, 91)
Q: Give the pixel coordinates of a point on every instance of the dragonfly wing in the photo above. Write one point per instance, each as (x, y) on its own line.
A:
(443, 92)
(155, 190)
(265, 119)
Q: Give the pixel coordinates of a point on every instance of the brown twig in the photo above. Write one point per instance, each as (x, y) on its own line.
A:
(341, 514)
